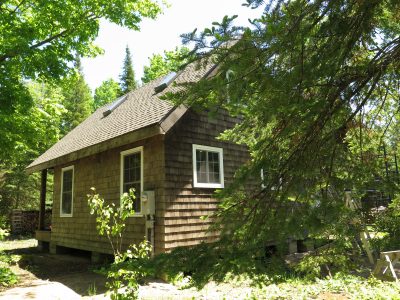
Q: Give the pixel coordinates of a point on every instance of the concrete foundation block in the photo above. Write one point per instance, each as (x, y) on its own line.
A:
(43, 246)
(53, 248)
(97, 257)
(292, 246)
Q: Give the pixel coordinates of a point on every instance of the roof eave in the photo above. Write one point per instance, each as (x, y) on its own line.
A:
(130, 137)
(172, 117)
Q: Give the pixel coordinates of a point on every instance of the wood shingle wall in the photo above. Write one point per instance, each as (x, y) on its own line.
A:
(184, 205)
(168, 170)
(102, 171)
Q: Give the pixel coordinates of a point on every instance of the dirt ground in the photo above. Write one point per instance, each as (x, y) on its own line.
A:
(37, 269)
(47, 276)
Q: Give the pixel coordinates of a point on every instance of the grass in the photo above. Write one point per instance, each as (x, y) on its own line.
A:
(7, 277)
(339, 287)
(354, 282)
(92, 290)
(18, 243)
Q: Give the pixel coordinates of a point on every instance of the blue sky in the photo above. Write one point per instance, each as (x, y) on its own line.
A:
(156, 36)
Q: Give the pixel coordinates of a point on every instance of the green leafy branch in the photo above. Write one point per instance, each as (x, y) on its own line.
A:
(110, 220)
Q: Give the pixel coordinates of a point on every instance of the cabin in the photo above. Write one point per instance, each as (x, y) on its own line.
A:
(168, 153)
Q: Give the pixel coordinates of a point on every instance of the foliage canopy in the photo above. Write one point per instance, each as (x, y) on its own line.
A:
(160, 65)
(34, 130)
(317, 86)
(108, 91)
(78, 100)
(39, 40)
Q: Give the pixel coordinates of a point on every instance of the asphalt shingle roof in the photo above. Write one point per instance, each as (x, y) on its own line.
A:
(142, 108)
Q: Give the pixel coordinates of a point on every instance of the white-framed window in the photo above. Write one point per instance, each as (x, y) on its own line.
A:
(208, 167)
(67, 191)
(132, 175)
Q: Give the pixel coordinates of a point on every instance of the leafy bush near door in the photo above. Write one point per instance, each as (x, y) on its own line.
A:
(129, 265)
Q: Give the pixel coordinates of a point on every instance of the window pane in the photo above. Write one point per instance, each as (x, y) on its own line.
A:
(201, 165)
(66, 196)
(213, 157)
(126, 175)
(136, 186)
(202, 177)
(67, 180)
(201, 155)
(207, 165)
(214, 177)
(213, 167)
(127, 161)
(66, 203)
(136, 172)
(132, 177)
(137, 202)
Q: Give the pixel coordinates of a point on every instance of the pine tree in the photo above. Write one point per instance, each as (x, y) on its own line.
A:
(316, 86)
(128, 82)
(78, 99)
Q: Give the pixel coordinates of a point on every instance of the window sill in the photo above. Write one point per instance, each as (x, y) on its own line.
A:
(137, 215)
(209, 185)
(65, 216)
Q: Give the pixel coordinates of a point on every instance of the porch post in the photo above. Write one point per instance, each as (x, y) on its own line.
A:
(42, 208)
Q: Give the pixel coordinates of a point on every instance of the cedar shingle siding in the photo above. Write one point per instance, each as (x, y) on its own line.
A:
(102, 171)
(184, 205)
(167, 170)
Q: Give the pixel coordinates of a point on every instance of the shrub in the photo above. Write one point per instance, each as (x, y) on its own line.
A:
(324, 262)
(127, 270)
(3, 233)
(387, 226)
(129, 266)
(4, 228)
(7, 277)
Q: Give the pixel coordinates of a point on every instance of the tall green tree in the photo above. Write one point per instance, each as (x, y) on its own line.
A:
(160, 65)
(127, 79)
(78, 100)
(39, 39)
(38, 129)
(310, 80)
(107, 92)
